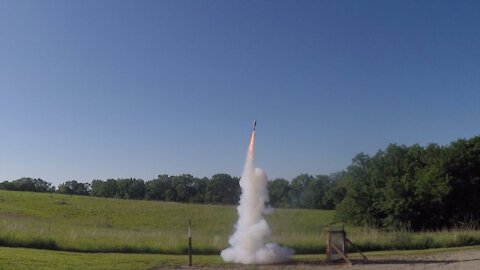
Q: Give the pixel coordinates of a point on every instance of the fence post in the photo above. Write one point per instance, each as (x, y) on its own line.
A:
(190, 242)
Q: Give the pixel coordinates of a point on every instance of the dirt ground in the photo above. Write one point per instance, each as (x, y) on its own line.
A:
(458, 260)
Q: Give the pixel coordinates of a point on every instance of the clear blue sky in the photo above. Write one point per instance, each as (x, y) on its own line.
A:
(107, 89)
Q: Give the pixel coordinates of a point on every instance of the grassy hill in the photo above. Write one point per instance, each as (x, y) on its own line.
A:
(89, 224)
(77, 223)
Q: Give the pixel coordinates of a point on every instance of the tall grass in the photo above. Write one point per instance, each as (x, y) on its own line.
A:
(371, 239)
(76, 223)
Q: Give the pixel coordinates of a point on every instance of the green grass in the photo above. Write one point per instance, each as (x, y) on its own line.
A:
(22, 258)
(370, 239)
(77, 223)
(88, 224)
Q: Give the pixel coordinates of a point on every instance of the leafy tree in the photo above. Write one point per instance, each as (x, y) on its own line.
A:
(199, 188)
(463, 172)
(6, 185)
(96, 188)
(223, 189)
(107, 189)
(316, 190)
(28, 184)
(298, 194)
(130, 188)
(182, 187)
(336, 190)
(156, 188)
(414, 187)
(278, 190)
(74, 188)
(357, 206)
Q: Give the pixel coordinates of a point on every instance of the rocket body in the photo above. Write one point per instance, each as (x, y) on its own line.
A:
(251, 146)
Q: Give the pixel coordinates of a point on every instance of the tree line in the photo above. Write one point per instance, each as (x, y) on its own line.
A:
(399, 187)
(414, 187)
(304, 191)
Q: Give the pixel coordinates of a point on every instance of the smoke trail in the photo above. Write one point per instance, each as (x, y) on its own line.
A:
(247, 244)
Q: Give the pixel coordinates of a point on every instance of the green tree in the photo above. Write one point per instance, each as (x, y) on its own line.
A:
(129, 188)
(182, 186)
(299, 195)
(414, 187)
(31, 184)
(278, 190)
(74, 188)
(156, 189)
(223, 189)
(463, 172)
(199, 187)
(336, 190)
(6, 185)
(107, 189)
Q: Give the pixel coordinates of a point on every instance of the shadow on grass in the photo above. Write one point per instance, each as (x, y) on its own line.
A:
(50, 244)
(33, 243)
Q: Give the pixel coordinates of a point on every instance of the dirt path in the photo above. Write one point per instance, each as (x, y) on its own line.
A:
(458, 260)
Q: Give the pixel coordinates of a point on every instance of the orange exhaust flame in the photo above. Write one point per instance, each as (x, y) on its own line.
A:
(251, 147)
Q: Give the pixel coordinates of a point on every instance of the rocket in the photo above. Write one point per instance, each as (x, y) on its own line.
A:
(251, 149)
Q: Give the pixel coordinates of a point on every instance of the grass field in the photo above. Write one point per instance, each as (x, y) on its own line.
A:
(88, 224)
(77, 223)
(23, 258)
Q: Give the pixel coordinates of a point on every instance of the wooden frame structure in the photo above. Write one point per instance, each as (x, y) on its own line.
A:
(337, 245)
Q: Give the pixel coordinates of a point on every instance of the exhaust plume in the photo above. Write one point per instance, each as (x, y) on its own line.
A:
(247, 243)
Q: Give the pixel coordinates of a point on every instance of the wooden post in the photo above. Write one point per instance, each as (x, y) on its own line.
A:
(329, 240)
(341, 254)
(358, 250)
(189, 242)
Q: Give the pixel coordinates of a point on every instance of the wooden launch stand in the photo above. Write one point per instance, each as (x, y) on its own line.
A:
(337, 246)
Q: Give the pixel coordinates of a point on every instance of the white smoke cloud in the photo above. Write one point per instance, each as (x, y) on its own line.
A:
(247, 244)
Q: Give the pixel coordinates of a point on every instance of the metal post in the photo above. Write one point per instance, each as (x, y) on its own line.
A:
(189, 242)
